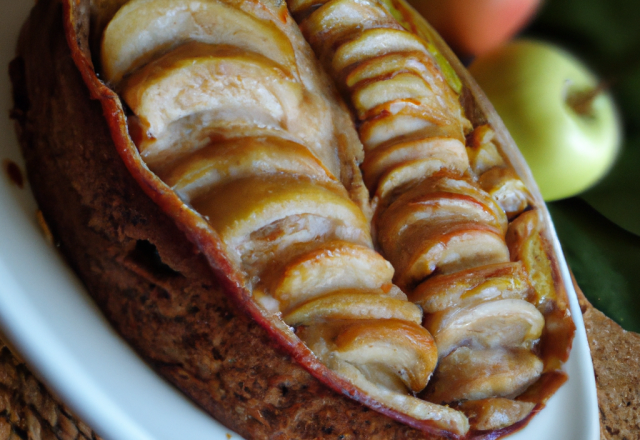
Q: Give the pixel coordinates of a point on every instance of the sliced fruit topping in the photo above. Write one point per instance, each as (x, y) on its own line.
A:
(446, 195)
(397, 87)
(349, 306)
(495, 413)
(335, 265)
(219, 163)
(506, 188)
(199, 77)
(400, 347)
(432, 205)
(394, 127)
(527, 245)
(483, 154)
(386, 157)
(388, 65)
(447, 248)
(495, 281)
(337, 19)
(373, 43)
(243, 206)
(199, 129)
(142, 29)
(468, 374)
(508, 323)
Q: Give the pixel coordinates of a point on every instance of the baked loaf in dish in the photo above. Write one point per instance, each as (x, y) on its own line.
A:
(202, 174)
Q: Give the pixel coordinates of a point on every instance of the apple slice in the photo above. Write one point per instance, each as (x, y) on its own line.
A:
(219, 163)
(243, 206)
(337, 19)
(386, 157)
(495, 281)
(350, 306)
(398, 346)
(373, 43)
(401, 177)
(527, 245)
(483, 154)
(198, 129)
(417, 62)
(142, 29)
(432, 207)
(468, 374)
(334, 265)
(199, 77)
(388, 127)
(400, 86)
(447, 185)
(495, 412)
(508, 323)
(447, 247)
(506, 188)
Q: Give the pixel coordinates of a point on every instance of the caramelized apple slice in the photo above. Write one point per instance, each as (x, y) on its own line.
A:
(373, 43)
(397, 87)
(219, 163)
(335, 265)
(386, 157)
(527, 245)
(412, 356)
(335, 20)
(198, 77)
(507, 323)
(387, 65)
(199, 129)
(468, 374)
(495, 413)
(144, 28)
(448, 247)
(495, 281)
(506, 188)
(349, 306)
(243, 206)
(441, 191)
(384, 128)
(483, 154)
(436, 206)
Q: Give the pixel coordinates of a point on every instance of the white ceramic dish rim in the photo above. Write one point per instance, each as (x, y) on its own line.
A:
(48, 317)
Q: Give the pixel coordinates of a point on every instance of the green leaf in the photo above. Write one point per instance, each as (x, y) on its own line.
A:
(617, 197)
(604, 258)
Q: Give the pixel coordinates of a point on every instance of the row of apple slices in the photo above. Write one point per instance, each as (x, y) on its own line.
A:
(304, 245)
(429, 217)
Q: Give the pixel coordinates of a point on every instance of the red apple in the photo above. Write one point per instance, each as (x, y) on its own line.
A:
(473, 27)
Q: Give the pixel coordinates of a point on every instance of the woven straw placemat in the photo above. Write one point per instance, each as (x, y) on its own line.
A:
(29, 411)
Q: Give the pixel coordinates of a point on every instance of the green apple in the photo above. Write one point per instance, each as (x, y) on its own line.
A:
(564, 123)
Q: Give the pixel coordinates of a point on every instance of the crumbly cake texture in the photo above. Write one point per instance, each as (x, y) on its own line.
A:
(151, 283)
(616, 362)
